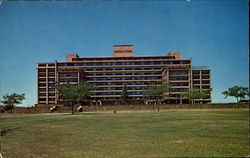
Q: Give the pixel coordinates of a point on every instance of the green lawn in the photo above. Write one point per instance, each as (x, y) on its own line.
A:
(169, 133)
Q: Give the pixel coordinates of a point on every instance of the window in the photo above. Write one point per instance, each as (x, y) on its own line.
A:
(51, 94)
(128, 69)
(42, 94)
(205, 72)
(42, 89)
(176, 62)
(108, 69)
(51, 70)
(41, 65)
(137, 68)
(205, 76)
(196, 77)
(165, 62)
(91, 70)
(42, 99)
(196, 82)
(185, 62)
(205, 87)
(42, 84)
(196, 72)
(205, 82)
(156, 68)
(179, 78)
(51, 79)
(51, 89)
(51, 84)
(51, 99)
(51, 74)
(178, 73)
(42, 74)
(41, 70)
(51, 64)
(156, 62)
(42, 79)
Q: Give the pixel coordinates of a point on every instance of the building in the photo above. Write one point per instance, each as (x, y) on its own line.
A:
(110, 74)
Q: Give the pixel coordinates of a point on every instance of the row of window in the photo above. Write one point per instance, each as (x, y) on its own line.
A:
(124, 83)
(41, 70)
(124, 63)
(44, 84)
(117, 98)
(68, 80)
(124, 73)
(203, 82)
(178, 72)
(44, 99)
(202, 72)
(44, 79)
(202, 87)
(179, 90)
(44, 94)
(44, 74)
(202, 77)
(44, 89)
(119, 93)
(178, 78)
(179, 84)
(124, 78)
(123, 69)
(50, 64)
(68, 74)
(120, 88)
(125, 58)
(138, 88)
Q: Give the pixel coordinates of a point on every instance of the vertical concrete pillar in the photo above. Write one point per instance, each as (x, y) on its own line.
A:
(47, 84)
(56, 81)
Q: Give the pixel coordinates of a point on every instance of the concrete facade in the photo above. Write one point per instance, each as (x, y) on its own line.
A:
(110, 74)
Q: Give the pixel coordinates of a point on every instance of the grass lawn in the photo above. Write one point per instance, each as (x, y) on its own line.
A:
(169, 133)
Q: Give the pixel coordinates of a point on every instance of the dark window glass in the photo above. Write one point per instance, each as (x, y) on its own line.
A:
(42, 89)
(42, 94)
(196, 82)
(51, 79)
(206, 82)
(196, 77)
(42, 79)
(41, 70)
(176, 62)
(205, 72)
(205, 76)
(42, 84)
(41, 65)
(51, 94)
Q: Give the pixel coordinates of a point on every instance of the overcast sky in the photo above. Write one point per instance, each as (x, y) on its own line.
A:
(212, 33)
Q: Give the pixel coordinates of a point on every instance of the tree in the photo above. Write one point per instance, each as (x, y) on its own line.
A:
(239, 92)
(204, 94)
(10, 101)
(74, 93)
(191, 94)
(194, 93)
(157, 92)
(125, 96)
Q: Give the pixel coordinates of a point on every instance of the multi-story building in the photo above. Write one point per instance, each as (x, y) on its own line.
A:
(109, 75)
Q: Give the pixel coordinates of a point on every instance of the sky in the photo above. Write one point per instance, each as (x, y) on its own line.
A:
(212, 33)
